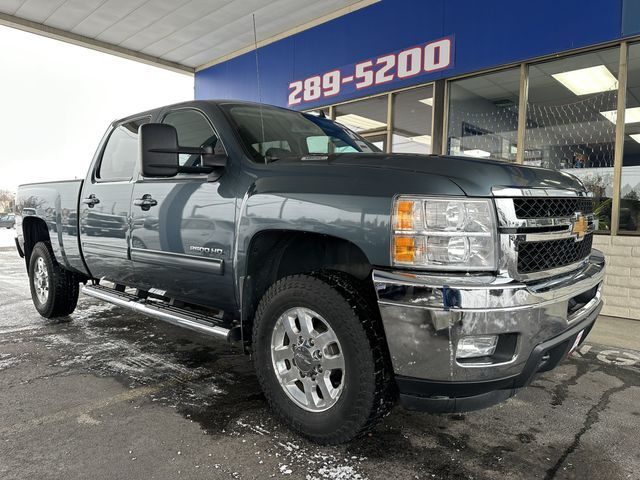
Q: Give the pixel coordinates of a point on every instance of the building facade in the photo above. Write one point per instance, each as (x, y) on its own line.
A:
(548, 83)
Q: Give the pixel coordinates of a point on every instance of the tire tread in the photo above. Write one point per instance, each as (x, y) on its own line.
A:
(64, 288)
(365, 414)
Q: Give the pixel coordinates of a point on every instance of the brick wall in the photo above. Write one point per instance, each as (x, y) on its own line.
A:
(622, 281)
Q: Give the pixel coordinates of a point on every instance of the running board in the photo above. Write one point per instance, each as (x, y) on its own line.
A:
(176, 316)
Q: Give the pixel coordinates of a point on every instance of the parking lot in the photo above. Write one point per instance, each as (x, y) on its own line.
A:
(112, 394)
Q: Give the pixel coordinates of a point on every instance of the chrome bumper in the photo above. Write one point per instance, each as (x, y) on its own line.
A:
(424, 316)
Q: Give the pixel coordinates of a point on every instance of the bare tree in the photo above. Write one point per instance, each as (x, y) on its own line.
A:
(7, 200)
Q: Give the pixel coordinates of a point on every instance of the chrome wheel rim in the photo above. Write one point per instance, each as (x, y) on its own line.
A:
(307, 359)
(41, 281)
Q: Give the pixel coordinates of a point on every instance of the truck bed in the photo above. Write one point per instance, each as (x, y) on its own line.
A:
(55, 203)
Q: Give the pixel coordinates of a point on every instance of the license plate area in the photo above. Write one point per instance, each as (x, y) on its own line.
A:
(576, 342)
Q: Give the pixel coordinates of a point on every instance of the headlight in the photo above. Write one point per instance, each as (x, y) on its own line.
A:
(453, 234)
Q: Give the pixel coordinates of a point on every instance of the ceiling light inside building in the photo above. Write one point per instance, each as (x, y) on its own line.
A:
(359, 122)
(427, 101)
(426, 139)
(631, 115)
(588, 80)
(476, 152)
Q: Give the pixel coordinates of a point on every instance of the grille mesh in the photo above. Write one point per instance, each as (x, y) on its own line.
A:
(538, 256)
(551, 207)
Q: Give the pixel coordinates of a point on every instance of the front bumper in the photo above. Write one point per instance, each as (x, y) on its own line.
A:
(424, 316)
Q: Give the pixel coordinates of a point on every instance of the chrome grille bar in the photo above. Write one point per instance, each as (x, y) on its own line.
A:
(532, 233)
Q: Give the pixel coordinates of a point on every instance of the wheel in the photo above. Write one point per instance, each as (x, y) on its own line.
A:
(321, 358)
(54, 290)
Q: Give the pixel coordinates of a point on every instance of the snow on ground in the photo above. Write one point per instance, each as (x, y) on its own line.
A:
(6, 237)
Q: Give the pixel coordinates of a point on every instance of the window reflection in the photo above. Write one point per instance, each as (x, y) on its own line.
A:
(412, 111)
(483, 116)
(630, 184)
(570, 122)
(367, 117)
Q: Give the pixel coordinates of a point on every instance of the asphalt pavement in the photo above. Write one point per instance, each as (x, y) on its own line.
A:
(115, 395)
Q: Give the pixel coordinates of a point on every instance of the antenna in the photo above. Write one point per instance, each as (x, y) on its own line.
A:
(255, 44)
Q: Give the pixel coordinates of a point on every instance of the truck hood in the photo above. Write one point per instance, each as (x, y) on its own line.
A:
(475, 177)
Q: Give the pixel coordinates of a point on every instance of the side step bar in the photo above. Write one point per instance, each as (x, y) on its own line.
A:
(176, 316)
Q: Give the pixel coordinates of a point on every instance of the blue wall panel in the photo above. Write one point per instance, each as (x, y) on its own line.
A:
(631, 17)
(485, 34)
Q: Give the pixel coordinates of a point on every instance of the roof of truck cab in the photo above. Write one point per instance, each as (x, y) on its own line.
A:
(190, 103)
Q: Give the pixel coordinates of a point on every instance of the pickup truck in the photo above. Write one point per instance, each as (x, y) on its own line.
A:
(357, 278)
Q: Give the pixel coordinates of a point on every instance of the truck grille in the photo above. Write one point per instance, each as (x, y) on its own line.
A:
(539, 256)
(551, 207)
(539, 232)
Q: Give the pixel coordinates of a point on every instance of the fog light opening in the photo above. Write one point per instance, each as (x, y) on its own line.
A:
(476, 346)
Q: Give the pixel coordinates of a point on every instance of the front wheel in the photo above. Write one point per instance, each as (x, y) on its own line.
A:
(321, 358)
(54, 290)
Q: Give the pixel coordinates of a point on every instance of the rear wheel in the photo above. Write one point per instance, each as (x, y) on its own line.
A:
(54, 290)
(321, 358)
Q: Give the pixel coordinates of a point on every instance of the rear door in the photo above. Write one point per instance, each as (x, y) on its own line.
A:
(182, 237)
(105, 205)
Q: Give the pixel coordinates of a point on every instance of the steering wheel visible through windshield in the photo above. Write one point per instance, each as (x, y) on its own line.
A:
(271, 133)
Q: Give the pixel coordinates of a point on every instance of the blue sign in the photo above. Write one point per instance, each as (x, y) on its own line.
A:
(416, 61)
(393, 44)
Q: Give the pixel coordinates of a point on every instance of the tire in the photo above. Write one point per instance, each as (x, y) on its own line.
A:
(60, 296)
(367, 390)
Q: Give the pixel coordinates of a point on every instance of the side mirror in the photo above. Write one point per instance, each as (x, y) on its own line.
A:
(159, 152)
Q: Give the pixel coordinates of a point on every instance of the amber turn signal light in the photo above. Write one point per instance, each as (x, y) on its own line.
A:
(403, 219)
(404, 249)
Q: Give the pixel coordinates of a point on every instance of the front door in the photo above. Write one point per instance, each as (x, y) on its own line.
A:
(183, 227)
(105, 204)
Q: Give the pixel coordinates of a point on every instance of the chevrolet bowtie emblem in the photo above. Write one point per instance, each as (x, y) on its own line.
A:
(580, 226)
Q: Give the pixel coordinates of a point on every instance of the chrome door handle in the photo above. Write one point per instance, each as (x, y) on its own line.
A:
(146, 202)
(91, 200)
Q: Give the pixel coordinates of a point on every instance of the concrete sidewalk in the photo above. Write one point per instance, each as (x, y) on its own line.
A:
(616, 332)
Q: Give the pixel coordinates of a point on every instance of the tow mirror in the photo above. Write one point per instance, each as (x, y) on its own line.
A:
(159, 151)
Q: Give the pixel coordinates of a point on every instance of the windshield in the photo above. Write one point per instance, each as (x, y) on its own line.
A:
(271, 133)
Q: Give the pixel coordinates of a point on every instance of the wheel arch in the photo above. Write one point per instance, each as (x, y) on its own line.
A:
(34, 230)
(274, 254)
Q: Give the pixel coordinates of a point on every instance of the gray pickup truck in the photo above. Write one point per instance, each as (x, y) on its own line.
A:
(357, 278)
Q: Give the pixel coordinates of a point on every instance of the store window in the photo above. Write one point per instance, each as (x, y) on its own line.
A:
(483, 116)
(412, 112)
(630, 182)
(570, 126)
(367, 117)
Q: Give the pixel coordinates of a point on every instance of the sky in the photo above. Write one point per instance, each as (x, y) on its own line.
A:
(57, 100)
